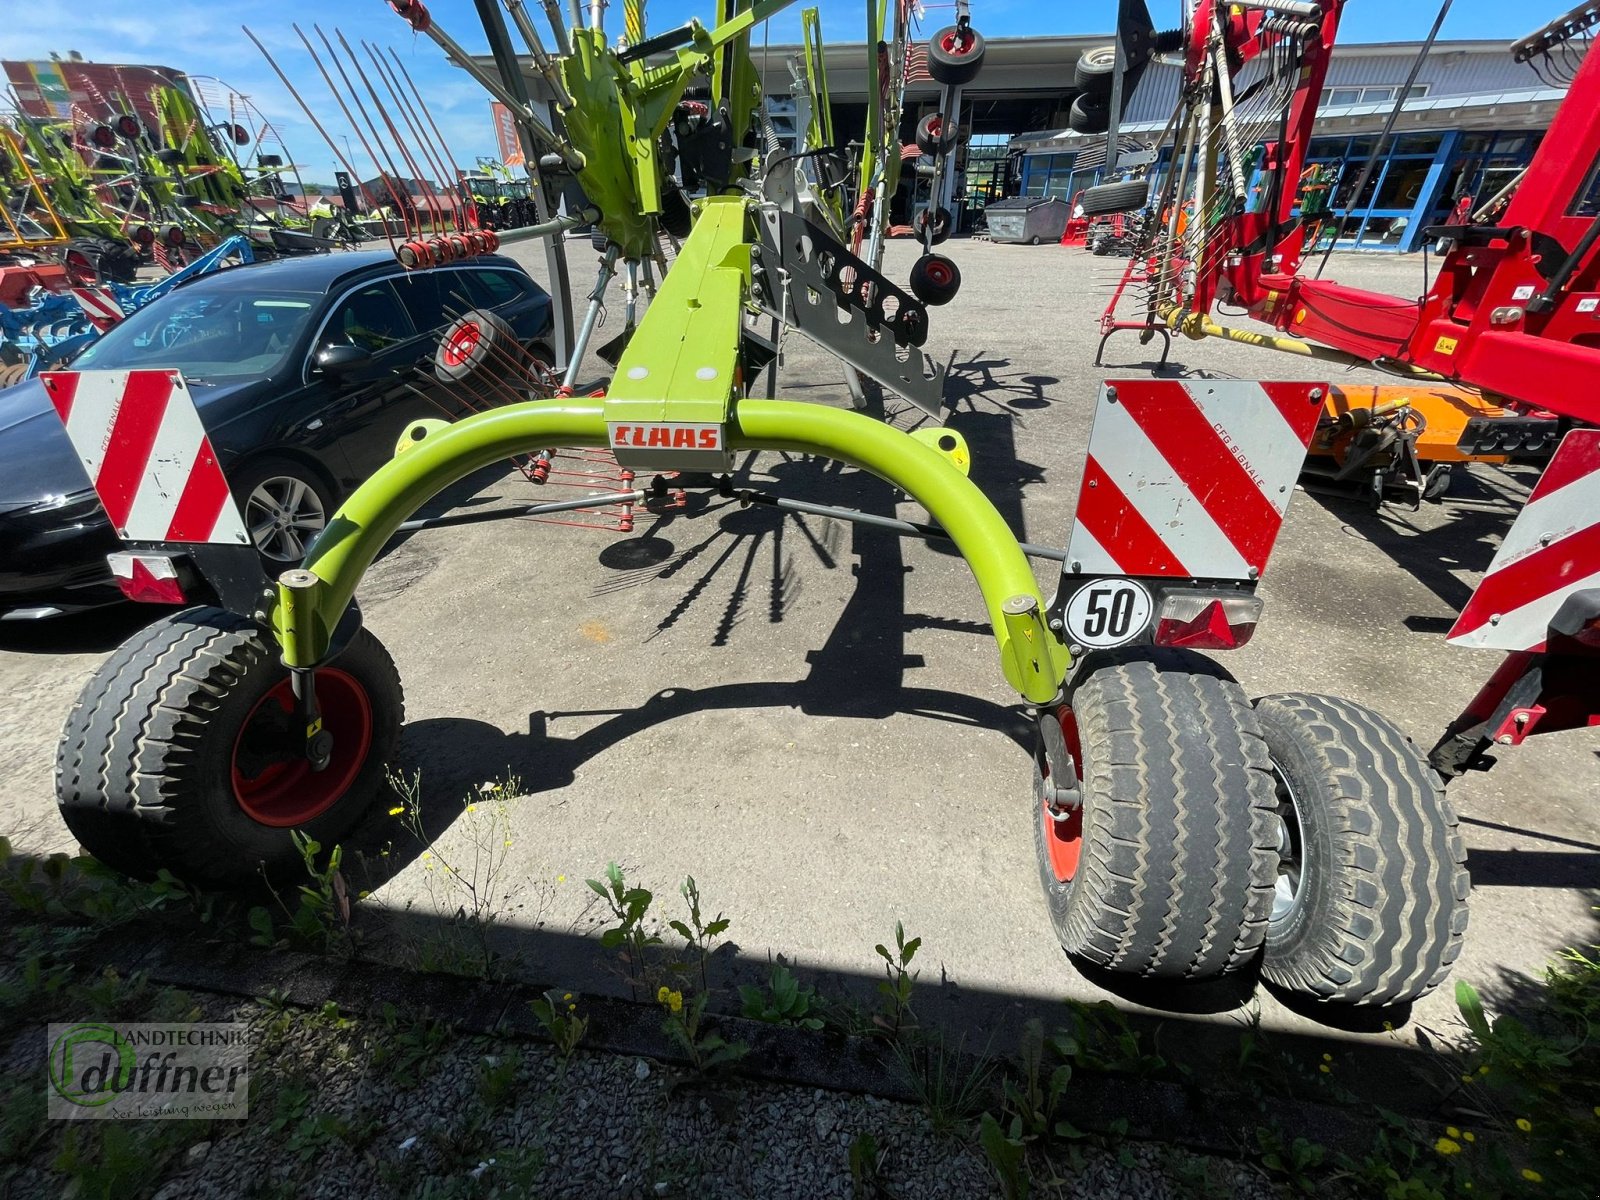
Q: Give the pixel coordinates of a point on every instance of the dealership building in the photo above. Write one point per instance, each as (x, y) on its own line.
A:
(1470, 122)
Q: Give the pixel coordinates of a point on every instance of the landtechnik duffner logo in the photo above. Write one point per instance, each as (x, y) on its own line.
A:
(148, 1071)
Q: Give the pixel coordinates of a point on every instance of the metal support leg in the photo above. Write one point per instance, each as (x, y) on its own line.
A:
(630, 294)
(597, 298)
(858, 395)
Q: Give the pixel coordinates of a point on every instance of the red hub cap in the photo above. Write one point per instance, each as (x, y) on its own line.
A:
(272, 781)
(954, 43)
(938, 274)
(460, 343)
(1063, 840)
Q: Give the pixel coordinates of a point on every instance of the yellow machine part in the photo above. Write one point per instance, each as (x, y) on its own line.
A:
(1444, 409)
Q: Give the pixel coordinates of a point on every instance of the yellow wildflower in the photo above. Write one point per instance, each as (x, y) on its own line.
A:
(675, 1002)
(1469, 1136)
(426, 855)
(567, 996)
(1483, 1070)
(1325, 1069)
(1531, 1175)
(1452, 1131)
(363, 894)
(397, 810)
(561, 878)
(662, 993)
(1466, 1079)
(1447, 1146)
(472, 808)
(1327, 1058)
(572, 1008)
(1524, 1124)
(507, 843)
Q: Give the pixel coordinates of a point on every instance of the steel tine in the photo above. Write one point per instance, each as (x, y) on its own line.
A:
(423, 146)
(405, 154)
(422, 107)
(390, 176)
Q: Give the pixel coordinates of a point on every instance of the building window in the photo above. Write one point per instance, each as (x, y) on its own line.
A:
(1334, 97)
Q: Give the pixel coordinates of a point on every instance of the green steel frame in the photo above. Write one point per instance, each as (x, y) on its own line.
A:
(682, 366)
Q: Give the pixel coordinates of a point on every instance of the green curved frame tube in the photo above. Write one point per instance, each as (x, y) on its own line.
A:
(1033, 659)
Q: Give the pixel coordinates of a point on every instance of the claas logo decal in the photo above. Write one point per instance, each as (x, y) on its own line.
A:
(665, 436)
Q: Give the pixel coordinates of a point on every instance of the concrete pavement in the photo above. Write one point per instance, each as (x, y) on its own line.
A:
(810, 718)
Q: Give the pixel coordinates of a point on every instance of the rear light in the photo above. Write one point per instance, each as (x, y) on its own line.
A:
(147, 578)
(1206, 620)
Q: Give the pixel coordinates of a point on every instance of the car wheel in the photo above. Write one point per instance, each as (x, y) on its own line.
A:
(286, 505)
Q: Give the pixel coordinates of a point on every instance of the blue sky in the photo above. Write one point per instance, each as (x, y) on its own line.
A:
(202, 37)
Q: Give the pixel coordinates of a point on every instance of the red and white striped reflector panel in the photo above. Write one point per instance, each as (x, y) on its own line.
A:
(1189, 479)
(99, 306)
(140, 440)
(1550, 551)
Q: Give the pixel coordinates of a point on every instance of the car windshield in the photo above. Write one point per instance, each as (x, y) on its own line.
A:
(207, 335)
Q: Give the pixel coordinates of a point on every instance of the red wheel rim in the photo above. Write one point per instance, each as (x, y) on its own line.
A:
(460, 343)
(128, 126)
(938, 274)
(935, 129)
(1063, 840)
(284, 791)
(952, 43)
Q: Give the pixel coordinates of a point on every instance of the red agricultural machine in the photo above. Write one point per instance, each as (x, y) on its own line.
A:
(1500, 358)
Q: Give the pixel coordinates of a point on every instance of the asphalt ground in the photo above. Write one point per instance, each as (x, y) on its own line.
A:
(810, 718)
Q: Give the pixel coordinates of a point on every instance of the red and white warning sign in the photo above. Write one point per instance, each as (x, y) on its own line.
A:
(1189, 479)
(1551, 551)
(99, 306)
(141, 441)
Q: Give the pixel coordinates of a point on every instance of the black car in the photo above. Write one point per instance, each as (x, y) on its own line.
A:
(295, 428)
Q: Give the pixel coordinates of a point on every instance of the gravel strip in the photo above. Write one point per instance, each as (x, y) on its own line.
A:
(337, 1112)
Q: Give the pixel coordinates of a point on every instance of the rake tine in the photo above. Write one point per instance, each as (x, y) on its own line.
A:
(406, 115)
(391, 172)
(422, 107)
(360, 137)
(405, 154)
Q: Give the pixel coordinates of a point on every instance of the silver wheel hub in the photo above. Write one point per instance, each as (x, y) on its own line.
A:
(284, 516)
(1286, 890)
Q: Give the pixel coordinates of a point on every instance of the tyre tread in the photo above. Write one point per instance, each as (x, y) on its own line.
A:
(1396, 833)
(1176, 874)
